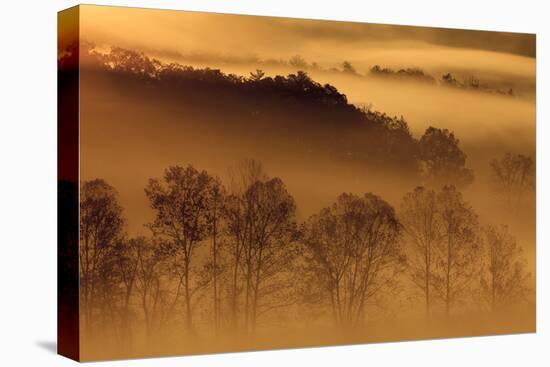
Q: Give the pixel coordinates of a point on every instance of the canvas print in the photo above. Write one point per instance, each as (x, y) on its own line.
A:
(235, 183)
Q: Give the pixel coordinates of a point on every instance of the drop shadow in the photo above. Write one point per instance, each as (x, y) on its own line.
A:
(48, 345)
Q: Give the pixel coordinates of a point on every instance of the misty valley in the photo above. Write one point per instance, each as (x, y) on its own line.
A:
(273, 204)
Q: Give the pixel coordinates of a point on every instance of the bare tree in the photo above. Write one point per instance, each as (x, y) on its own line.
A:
(459, 249)
(126, 263)
(422, 226)
(270, 252)
(513, 175)
(101, 226)
(214, 267)
(261, 227)
(237, 230)
(246, 173)
(182, 202)
(242, 177)
(353, 249)
(504, 277)
(149, 285)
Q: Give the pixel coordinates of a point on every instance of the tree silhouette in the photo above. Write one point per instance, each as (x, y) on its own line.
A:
(214, 267)
(449, 80)
(298, 62)
(353, 250)
(257, 75)
(150, 287)
(243, 176)
(124, 60)
(261, 225)
(442, 159)
(181, 202)
(422, 226)
(414, 74)
(513, 175)
(459, 250)
(101, 226)
(126, 266)
(347, 67)
(504, 278)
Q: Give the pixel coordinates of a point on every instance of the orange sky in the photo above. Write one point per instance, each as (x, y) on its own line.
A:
(184, 32)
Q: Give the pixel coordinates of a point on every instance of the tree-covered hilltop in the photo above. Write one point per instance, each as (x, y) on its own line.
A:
(314, 119)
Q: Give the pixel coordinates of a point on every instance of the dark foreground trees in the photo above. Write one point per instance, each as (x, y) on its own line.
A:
(101, 229)
(458, 253)
(228, 260)
(261, 231)
(252, 235)
(182, 202)
(419, 216)
(444, 247)
(449, 253)
(353, 250)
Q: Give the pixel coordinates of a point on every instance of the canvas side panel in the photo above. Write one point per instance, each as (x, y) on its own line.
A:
(68, 337)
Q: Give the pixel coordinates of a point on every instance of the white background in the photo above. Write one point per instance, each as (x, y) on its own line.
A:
(28, 182)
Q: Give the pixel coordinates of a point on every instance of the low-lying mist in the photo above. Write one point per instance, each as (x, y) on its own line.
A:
(487, 126)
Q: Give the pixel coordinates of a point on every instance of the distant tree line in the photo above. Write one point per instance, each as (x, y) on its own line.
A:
(447, 79)
(408, 73)
(473, 83)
